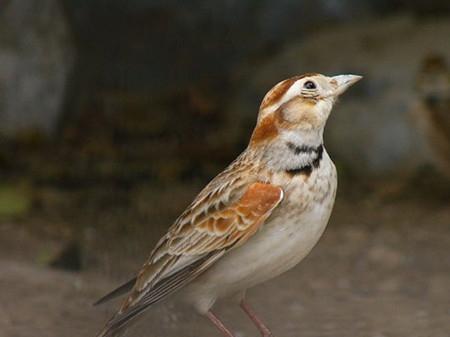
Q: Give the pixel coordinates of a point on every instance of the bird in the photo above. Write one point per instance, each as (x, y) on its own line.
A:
(256, 219)
(432, 111)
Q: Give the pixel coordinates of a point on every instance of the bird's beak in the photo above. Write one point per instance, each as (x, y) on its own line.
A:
(342, 82)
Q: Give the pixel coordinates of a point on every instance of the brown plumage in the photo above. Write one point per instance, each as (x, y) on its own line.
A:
(237, 231)
(432, 113)
(223, 216)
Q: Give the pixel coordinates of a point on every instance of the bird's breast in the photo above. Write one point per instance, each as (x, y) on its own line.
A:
(284, 240)
(307, 191)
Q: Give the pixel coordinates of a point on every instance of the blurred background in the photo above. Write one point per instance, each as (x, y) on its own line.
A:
(114, 114)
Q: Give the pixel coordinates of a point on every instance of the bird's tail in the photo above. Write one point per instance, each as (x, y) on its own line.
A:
(111, 331)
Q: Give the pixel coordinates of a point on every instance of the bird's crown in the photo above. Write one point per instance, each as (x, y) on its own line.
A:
(302, 102)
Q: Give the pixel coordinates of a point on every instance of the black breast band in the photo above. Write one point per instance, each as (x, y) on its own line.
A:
(316, 155)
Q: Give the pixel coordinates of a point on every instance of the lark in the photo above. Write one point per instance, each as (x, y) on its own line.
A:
(432, 114)
(257, 219)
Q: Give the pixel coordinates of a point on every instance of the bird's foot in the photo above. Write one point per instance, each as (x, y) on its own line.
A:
(263, 329)
(267, 334)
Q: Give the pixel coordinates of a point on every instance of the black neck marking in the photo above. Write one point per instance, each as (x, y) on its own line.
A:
(302, 149)
(317, 154)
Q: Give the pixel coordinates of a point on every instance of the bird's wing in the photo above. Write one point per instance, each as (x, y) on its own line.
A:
(222, 217)
(222, 191)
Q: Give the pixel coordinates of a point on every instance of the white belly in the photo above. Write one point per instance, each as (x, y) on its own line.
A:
(284, 240)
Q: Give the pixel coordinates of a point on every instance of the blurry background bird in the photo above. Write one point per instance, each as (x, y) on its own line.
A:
(432, 113)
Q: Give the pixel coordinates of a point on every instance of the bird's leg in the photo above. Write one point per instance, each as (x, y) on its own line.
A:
(265, 332)
(219, 324)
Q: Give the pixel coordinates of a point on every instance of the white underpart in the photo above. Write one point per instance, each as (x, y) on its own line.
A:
(283, 241)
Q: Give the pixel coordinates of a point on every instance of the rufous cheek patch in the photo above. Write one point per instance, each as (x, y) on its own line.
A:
(265, 130)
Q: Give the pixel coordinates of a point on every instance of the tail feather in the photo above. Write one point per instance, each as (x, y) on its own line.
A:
(121, 290)
(116, 326)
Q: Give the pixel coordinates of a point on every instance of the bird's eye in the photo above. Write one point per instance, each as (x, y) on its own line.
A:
(309, 85)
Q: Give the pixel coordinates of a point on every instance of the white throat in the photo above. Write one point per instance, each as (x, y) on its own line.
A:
(293, 149)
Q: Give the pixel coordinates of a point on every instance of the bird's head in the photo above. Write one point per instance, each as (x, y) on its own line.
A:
(296, 109)
(433, 81)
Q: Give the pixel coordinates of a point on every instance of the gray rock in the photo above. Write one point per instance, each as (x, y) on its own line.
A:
(35, 57)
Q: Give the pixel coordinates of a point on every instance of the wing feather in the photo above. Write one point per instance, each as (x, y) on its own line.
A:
(158, 292)
(220, 218)
(120, 290)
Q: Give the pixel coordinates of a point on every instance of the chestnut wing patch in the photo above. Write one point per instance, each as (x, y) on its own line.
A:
(235, 224)
(188, 251)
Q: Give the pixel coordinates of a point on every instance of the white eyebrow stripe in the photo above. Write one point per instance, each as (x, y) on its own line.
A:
(293, 91)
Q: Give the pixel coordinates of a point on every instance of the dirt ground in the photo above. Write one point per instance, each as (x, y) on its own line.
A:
(382, 269)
